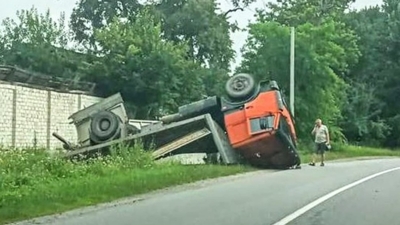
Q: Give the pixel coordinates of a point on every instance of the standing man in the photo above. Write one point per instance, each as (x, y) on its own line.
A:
(321, 140)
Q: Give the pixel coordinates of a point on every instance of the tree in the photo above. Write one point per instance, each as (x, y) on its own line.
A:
(319, 91)
(200, 24)
(391, 89)
(375, 109)
(150, 72)
(207, 33)
(89, 15)
(363, 112)
(37, 42)
(296, 12)
(325, 51)
(318, 12)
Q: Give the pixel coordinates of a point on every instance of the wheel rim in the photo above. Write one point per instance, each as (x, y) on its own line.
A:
(240, 83)
(104, 124)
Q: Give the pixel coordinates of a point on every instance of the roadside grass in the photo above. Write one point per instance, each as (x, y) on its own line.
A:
(33, 183)
(340, 151)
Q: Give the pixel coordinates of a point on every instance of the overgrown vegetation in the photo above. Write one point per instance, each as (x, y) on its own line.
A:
(34, 182)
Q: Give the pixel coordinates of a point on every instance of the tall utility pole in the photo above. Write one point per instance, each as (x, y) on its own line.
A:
(292, 71)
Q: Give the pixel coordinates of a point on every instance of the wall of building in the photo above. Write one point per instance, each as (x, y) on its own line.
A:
(29, 116)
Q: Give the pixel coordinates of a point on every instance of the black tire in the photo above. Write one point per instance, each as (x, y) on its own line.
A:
(104, 126)
(95, 140)
(240, 86)
(292, 150)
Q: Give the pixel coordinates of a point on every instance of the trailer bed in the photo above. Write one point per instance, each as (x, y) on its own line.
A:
(200, 134)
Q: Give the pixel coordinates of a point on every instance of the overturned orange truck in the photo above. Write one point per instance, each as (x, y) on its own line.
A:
(256, 119)
(252, 124)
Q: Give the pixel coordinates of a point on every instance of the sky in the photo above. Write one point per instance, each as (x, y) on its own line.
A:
(66, 6)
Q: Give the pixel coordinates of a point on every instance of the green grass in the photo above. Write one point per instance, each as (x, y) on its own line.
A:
(349, 151)
(33, 183)
(70, 193)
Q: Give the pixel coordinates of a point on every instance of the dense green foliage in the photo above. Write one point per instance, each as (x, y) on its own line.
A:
(165, 53)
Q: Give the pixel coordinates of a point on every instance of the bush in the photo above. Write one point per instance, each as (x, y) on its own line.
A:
(34, 182)
(23, 169)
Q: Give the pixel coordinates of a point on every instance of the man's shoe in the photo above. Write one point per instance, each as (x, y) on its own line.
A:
(322, 164)
(311, 164)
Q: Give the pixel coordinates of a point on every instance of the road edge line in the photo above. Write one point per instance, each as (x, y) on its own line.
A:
(320, 200)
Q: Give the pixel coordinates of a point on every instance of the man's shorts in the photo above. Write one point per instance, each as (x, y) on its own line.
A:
(320, 148)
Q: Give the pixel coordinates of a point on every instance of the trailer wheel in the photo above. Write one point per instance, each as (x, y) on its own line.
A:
(104, 125)
(240, 86)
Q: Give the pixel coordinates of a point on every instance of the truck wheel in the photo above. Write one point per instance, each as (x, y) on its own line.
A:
(240, 86)
(104, 125)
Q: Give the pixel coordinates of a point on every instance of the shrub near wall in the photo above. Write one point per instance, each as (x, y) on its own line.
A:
(22, 169)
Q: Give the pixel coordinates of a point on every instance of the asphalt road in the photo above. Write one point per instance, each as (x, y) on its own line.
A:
(264, 198)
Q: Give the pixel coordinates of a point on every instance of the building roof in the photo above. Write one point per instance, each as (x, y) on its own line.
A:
(18, 76)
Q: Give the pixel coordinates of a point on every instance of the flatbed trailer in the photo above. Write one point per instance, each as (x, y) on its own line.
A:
(200, 134)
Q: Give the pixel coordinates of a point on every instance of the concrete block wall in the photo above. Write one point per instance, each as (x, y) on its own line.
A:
(29, 116)
(6, 112)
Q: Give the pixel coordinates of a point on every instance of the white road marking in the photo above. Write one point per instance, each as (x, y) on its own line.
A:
(318, 201)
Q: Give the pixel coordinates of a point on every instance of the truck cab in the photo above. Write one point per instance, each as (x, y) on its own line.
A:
(259, 125)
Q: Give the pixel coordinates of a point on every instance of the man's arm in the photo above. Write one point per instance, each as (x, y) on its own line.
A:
(313, 131)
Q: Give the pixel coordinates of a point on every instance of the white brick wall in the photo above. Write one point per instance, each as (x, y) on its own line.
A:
(6, 111)
(62, 106)
(31, 117)
(38, 113)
